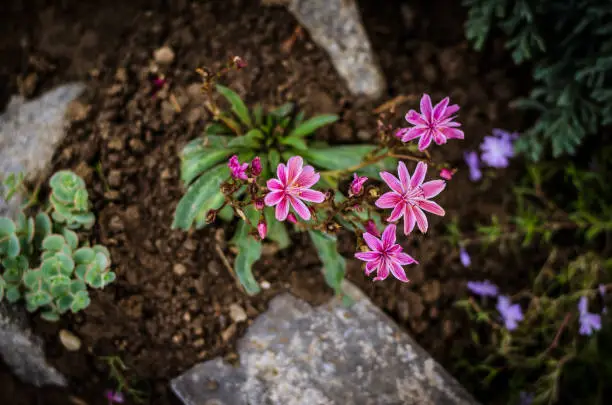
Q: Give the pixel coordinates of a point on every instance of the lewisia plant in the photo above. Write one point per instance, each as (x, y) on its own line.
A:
(265, 169)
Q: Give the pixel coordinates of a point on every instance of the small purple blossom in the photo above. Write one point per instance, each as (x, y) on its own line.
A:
(497, 149)
(237, 169)
(589, 322)
(473, 163)
(256, 166)
(602, 290)
(357, 184)
(483, 288)
(464, 257)
(511, 313)
(114, 397)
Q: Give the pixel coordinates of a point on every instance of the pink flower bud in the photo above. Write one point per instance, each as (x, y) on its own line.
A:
(357, 184)
(259, 204)
(291, 218)
(237, 170)
(370, 227)
(446, 174)
(262, 229)
(256, 166)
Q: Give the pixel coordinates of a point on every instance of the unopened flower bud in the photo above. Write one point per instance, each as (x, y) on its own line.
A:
(259, 204)
(262, 229)
(446, 174)
(291, 218)
(256, 166)
(370, 228)
(357, 185)
(211, 215)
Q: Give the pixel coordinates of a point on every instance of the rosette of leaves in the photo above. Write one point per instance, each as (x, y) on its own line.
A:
(70, 200)
(42, 263)
(274, 136)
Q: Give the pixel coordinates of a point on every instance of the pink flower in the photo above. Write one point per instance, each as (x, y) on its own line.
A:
(357, 184)
(446, 174)
(410, 196)
(256, 166)
(291, 218)
(386, 256)
(114, 397)
(291, 187)
(262, 229)
(432, 123)
(370, 227)
(238, 170)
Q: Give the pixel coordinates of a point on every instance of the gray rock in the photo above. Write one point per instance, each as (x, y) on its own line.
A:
(335, 25)
(295, 354)
(29, 134)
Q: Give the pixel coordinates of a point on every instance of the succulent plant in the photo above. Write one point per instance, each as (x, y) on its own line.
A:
(40, 257)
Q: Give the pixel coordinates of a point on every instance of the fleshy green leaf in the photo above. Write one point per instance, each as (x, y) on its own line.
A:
(283, 111)
(251, 140)
(84, 255)
(80, 301)
(249, 253)
(2, 288)
(309, 126)
(7, 226)
(274, 159)
(295, 141)
(12, 294)
(333, 263)
(276, 229)
(238, 106)
(346, 156)
(71, 238)
(53, 242)
(198, 193)
(50, 316)
(198, 164)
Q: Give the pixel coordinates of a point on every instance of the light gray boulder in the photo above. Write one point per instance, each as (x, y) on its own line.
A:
(295, 354)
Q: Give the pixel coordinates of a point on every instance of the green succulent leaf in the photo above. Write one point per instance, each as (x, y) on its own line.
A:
(39, 298)
(59, 285)
(84, 255)
(63, 303)
(42, 226)
(198, 164)
(12, 293)
(2, 288)
(258, 115)
(81, 200)
(309, 126)
(102, 249)
(274, 159)
(198, 193)
(345, 156)
(108, 278)
(50, 316)
(33, 279)
(238, 106)
(77, 286)
(251, 140)
(71, 238)
(212, 203)
(80, 301)
(295, 141)
(54, 242)
(333, 263)
(283, 111)
(7, 227)
(217, 128)
(249, 253)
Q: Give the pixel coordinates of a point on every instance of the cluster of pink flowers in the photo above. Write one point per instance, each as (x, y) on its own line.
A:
(409, 196)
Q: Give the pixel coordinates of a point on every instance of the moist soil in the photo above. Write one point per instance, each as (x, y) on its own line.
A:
(170, 305)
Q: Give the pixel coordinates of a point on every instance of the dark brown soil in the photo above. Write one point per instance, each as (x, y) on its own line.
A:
(169, 308)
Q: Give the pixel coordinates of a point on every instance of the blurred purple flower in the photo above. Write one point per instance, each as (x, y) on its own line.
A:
(588, 321)
(473, 163)
(497, 149)
(525, 398)
(114, 397)
(483, 288)
(464, 257)
(602, 290)
(511, 313)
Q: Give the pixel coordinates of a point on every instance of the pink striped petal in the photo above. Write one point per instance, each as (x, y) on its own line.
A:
(419, 175)
(398, 272)
(404, 176)
(433, 188)
(432, 207)
(367, 256)
(426, 108)
(311, 195)
(392, 182)
(300, 208)
(294, 168)
(307, 178)
(373, 242)
(397, 212)
(453, 133)
(439, 137)
(273, 198)
(409, 219)
(388, 236)
(450, 110)
(425, 141)
(275, 185)
(415, 118)
(371, 266)
(282, 210)
(414, 133)
(281, 173)
(388, 200)
(383, 271)
(440, 109)
(421, 219)
(404, 259)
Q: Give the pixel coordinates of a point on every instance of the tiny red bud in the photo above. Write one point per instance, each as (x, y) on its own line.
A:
(291, 218)
(370, 228)
(446, 174)
(256, 166)
(262, 229)
(259, 204)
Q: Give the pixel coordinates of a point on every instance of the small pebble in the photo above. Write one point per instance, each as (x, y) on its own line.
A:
(69, 340)
(237, 313)
(265, 285)
(164, 55)
(229, 333)
(179, 269)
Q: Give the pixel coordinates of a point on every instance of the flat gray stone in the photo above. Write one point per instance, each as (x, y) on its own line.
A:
(295, 354)
(29, 134)
(336, 26)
